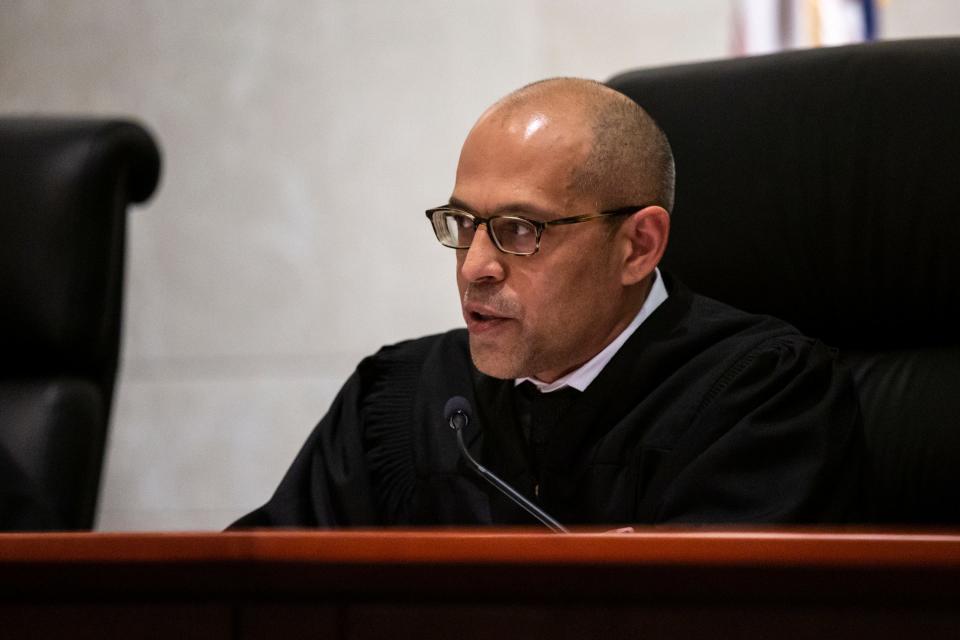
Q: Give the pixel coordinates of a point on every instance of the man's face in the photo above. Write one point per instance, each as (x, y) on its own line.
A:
(546, 314)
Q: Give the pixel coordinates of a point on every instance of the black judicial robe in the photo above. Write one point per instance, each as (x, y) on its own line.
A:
(707, 414)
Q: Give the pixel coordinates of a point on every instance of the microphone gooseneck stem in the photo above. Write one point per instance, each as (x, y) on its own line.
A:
(505, 488)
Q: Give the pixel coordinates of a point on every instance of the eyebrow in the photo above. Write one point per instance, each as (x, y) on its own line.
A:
(510, 207)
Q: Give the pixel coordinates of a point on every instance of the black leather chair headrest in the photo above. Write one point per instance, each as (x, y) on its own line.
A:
(64, 187)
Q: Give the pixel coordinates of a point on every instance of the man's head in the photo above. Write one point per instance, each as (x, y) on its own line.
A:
(555, 149)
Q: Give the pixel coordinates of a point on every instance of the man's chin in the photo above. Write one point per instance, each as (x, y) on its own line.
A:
(495, 363)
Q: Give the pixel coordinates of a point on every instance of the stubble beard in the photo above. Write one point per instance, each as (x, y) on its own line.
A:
(503, 362)
(523, 360)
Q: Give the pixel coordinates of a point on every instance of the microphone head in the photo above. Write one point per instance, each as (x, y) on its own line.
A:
(457, 412)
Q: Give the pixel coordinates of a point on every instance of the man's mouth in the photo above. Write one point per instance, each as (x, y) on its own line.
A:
(481, 319)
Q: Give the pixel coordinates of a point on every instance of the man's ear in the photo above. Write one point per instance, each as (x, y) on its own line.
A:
(645, 240)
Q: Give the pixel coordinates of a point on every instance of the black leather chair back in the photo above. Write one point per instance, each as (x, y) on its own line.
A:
(64, 190)
(823, 187)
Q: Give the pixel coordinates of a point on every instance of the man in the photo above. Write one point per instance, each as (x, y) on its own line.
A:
(601, 388)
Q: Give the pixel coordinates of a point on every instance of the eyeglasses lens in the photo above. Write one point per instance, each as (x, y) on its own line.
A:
(454, 229)
(515, 235)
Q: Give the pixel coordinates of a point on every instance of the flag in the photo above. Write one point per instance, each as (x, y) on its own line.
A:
(765, 26)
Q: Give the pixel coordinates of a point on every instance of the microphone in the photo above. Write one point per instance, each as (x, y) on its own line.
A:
(457, 414)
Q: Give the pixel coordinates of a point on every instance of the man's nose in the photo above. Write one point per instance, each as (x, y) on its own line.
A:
(483, 260)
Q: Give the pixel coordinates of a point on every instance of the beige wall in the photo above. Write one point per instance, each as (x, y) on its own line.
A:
(302, 141)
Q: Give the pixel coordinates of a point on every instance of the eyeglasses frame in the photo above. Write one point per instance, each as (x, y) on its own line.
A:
(537, 224)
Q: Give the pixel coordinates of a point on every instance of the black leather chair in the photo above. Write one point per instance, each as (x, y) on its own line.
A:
(823, 186)
(64, 190)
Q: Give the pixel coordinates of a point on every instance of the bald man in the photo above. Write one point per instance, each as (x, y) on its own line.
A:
(601, 388)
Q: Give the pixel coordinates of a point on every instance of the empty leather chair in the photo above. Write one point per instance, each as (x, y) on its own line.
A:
(65, 185)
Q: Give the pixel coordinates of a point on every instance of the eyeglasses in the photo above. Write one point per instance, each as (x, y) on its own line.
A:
(511, 234)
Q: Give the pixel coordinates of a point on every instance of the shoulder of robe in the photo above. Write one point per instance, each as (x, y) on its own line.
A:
(409, 356)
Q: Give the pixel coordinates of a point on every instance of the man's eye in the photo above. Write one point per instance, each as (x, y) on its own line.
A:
(464, 222)
(519, 229)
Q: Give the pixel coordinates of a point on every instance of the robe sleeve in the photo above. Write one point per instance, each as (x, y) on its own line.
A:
(778, 438)
(328, 483)
(357, 468)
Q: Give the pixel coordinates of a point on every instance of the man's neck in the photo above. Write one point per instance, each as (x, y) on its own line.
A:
(581, 376)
